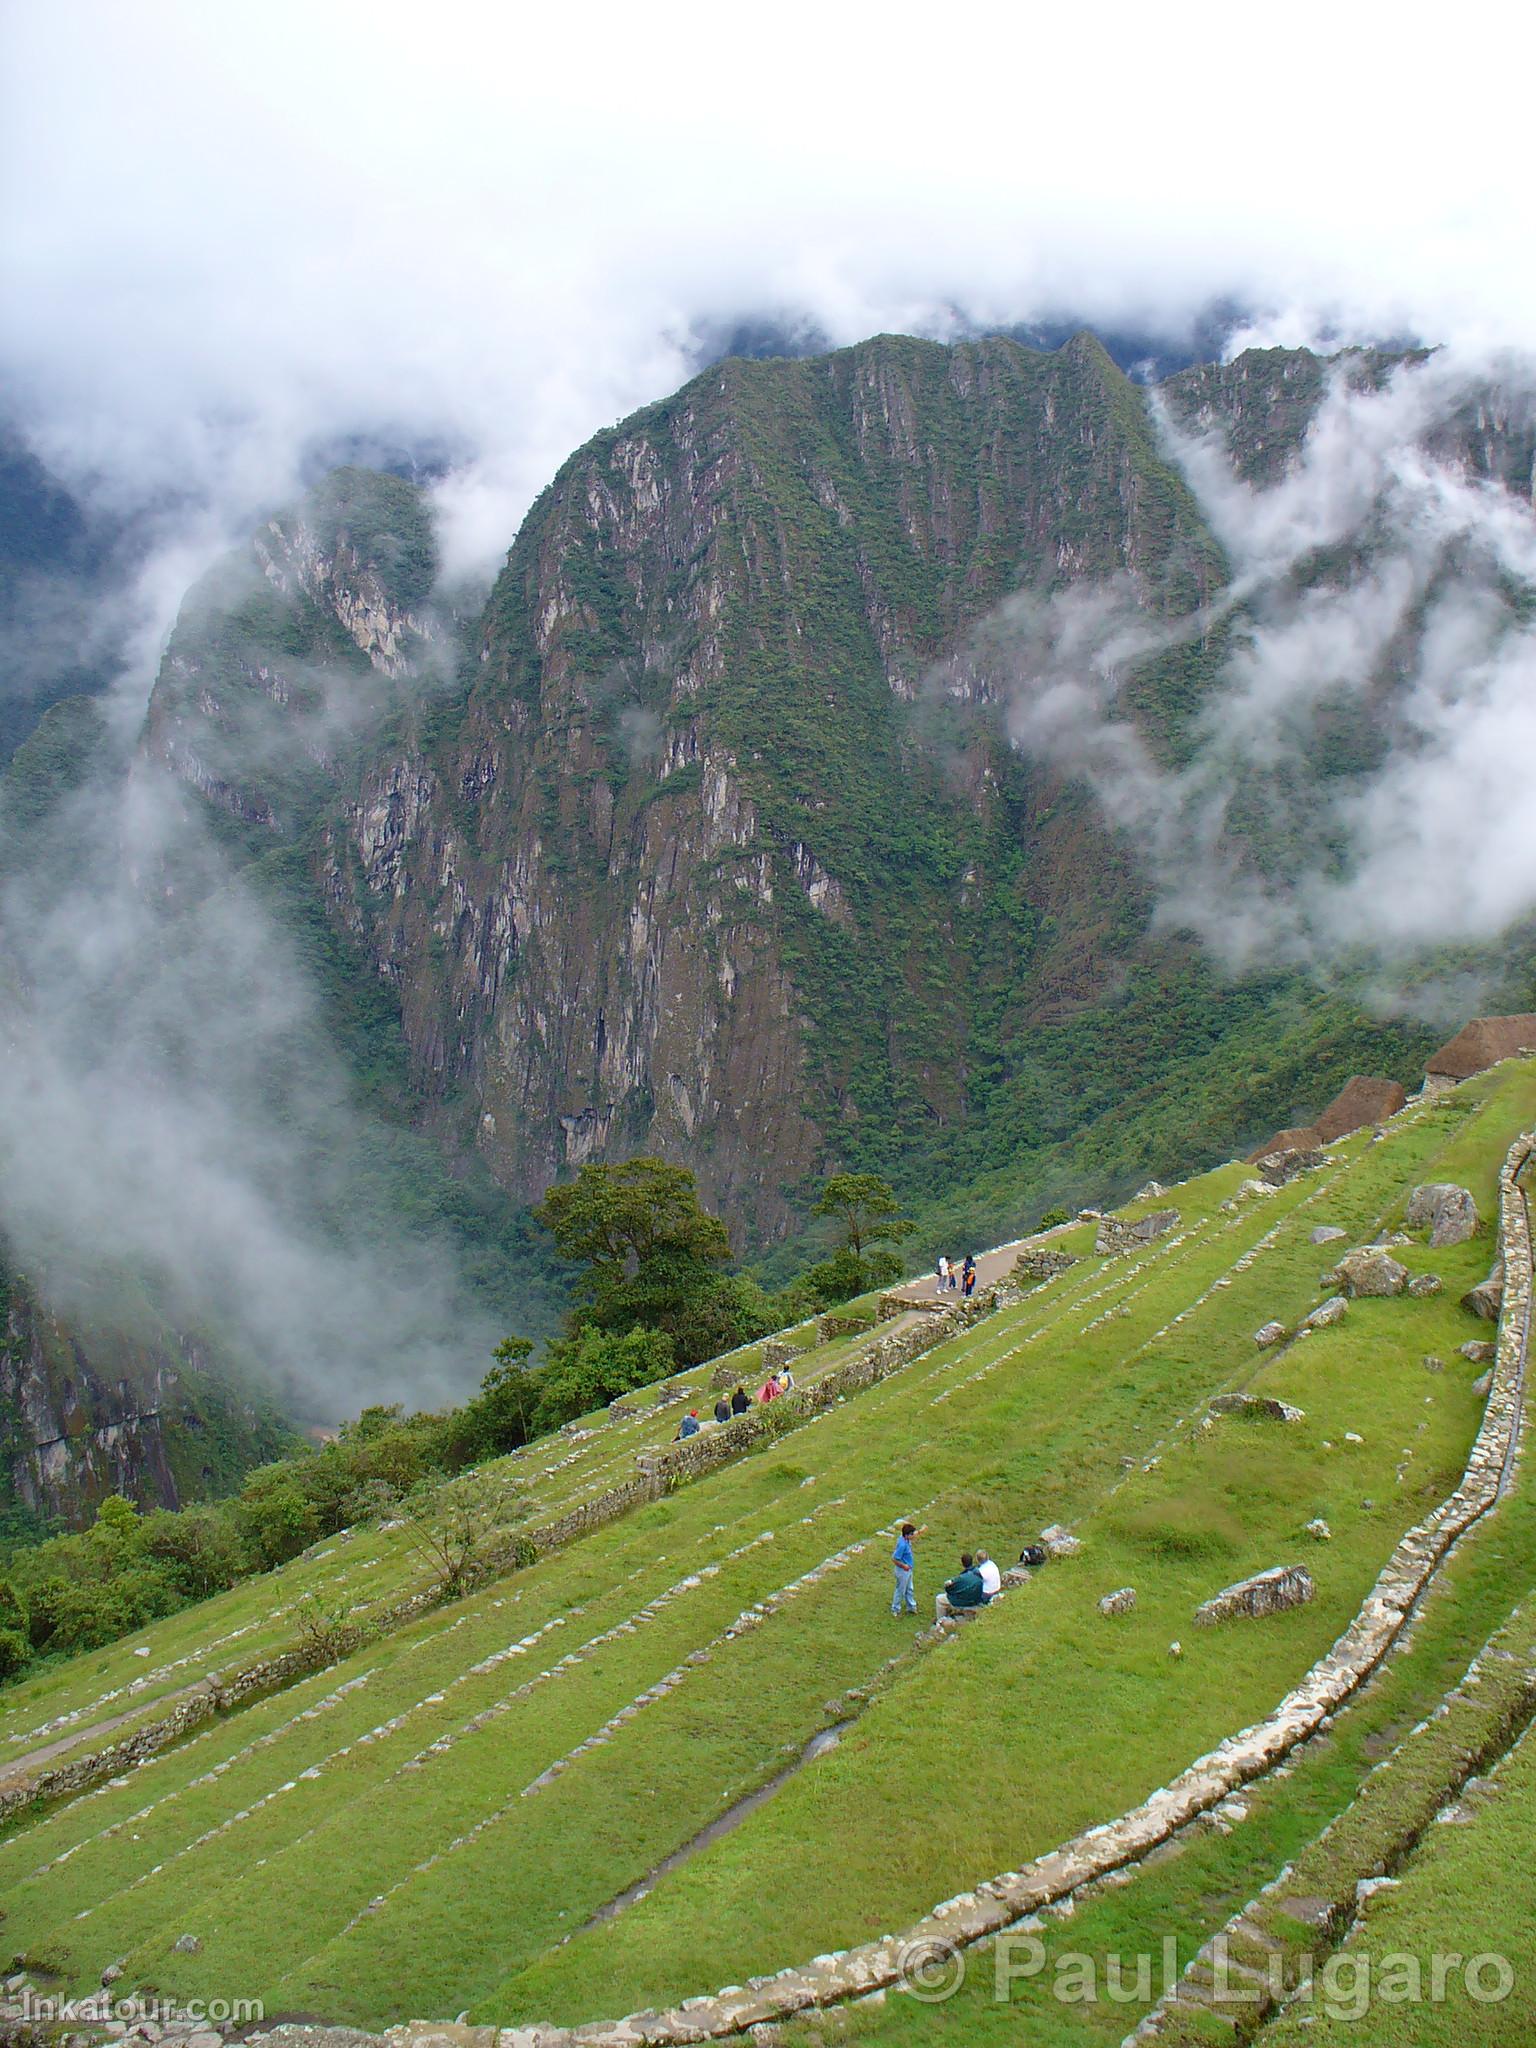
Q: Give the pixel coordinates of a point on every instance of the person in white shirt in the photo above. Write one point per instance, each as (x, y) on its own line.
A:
(991, 1577)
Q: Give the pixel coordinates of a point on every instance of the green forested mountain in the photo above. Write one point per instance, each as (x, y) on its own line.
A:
(713, 843)
(705, 835)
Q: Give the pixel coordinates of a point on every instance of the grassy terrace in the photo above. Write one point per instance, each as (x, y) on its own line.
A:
(431, 1824)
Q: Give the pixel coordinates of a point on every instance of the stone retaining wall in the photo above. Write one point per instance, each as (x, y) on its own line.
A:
(1000, 1902)
(716, 1445)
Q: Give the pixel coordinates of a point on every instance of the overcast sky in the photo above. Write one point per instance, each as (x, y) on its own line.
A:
(229, 229)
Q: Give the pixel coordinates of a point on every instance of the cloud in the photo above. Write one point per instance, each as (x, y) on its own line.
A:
(1355, 781)
(170, 1110)
(230, 232)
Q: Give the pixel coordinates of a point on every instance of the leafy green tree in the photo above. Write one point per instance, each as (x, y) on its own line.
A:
(501, 1415)
(652, 1252)
(1054, 1216)
(867, 1209)
(13, 1608)
(15, 1653)
(587, 1371)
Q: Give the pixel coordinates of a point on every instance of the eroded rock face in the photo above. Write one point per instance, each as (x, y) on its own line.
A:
(1288, 1585)
(1369, 1272)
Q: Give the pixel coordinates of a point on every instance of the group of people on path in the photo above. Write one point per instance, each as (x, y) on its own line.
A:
(950, 1277)
(729, 1406)
(977, 1581)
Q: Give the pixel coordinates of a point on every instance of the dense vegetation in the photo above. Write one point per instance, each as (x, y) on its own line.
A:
(654, 1297)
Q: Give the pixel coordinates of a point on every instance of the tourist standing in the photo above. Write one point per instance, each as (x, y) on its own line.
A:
(904, 1563)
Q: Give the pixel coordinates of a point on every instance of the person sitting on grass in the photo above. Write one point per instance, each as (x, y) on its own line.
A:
(740, 1401)
(723, 1408)
(964, 1592)
(689, 1426)
(991, 1577)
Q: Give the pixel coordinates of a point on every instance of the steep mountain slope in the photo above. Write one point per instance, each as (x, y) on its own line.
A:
(716, 846)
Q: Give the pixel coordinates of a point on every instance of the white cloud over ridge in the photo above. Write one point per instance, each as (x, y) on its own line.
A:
(232, 230)
(1424, 649)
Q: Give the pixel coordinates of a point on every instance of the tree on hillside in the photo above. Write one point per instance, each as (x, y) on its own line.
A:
(866, 1208)
(652, 1252)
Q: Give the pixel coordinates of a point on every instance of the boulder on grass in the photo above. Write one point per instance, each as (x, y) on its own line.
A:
(1482, 1386)
(1445, 1210)
(1284, 1585)
(1333, 1310)
(1423, 1285)
(1478, 1352)
(1369, 1272)
(1256, 1408)
(1328, 1233)
(1121, 1601)
(1487, 1298)
(1059, 1542)
(1270, 1333)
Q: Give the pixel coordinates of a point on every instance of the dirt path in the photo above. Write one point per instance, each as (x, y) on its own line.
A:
(20, 1766)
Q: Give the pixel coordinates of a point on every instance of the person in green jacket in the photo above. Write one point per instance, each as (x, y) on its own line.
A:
(964, 1591)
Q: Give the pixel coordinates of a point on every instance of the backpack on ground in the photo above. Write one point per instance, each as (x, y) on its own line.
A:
(1033, 1556)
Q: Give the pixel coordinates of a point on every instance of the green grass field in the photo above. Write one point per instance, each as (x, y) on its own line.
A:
(432, 1825)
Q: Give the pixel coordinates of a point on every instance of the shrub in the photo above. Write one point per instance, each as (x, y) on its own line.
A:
(15, 1652)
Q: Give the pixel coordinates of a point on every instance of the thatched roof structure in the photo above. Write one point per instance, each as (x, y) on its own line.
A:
(1483, 1043)
(1364, 1099)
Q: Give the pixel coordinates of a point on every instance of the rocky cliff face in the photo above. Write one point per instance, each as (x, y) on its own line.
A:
(114, 1402)
(715, 841)
(715, 847)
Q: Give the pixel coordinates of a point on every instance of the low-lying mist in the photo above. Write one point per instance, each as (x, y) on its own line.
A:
(1355, 785)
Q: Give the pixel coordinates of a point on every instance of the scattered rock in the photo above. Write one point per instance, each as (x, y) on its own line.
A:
(1149, 1193)
(1271, 1333)
(1487, 1298)
(1318, 1529)
(1121, 1601)
(1478, 1351)
(1447, 1211)
(186, 1945)
(1284, 1585)
(1327, 1233)
(1175, 1649)
(1279, 1167)
(1369, 1272)
(1433, 1364)
(1017, 1575)
(1333, 1310)
(1059, 1542)
(1116, 1236)
(1353, 1436)
(1256, 1408)
(111, 1973)
(1423, 1285)
(1482, 1386)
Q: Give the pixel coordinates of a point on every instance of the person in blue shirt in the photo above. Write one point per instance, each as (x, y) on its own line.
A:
(689, 1425)
(904, 1563)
